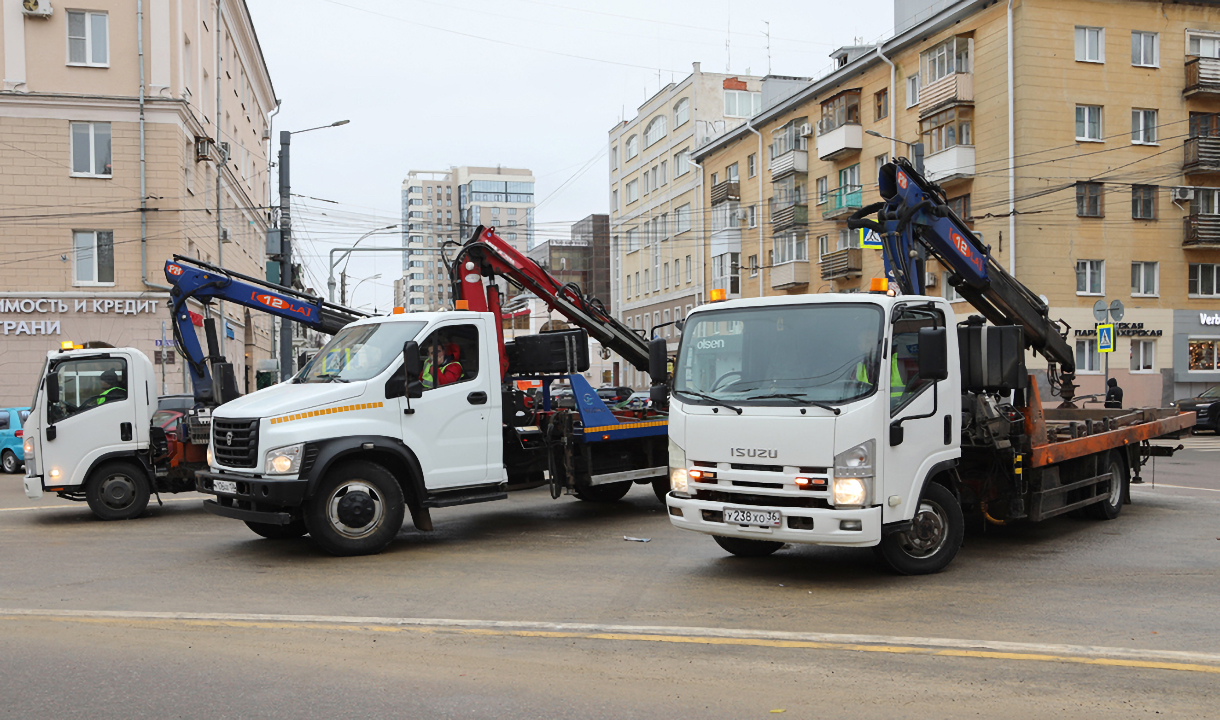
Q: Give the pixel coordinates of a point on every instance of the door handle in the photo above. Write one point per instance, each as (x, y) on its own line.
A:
(477, 398)
(125, 431)
(51, 432)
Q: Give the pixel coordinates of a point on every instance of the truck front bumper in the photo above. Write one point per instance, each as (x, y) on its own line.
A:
(818, 526)
(33, 487)
(256, 499)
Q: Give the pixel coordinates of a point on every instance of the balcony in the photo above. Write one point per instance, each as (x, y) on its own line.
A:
(842, 203)
(840, 141)
(845, 263)
(1202, 77)
(947, 165)
(1202, 155)
(786, 216)
(793, 273)
(1201, 232)
(950, 90)
(725, 191)
(793, 161)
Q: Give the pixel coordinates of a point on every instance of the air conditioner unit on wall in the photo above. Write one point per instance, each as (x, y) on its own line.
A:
(37, 8)
(929, 279)
(203, 149)
(1182, 194)
(806, 130)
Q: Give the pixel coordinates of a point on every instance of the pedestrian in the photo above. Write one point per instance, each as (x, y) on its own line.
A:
(1114, 394)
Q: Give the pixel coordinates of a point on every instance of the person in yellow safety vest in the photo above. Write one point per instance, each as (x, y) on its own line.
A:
(112, 392)
(450, 367)
(897, 386)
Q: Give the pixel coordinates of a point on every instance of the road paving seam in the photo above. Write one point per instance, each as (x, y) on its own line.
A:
(79, 507)
(943, 647)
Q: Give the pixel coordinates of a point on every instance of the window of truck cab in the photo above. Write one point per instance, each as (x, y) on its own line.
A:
(359, 352)
(905, 383)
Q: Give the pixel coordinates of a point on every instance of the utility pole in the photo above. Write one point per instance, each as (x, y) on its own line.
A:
(286, 359)
(343, 287)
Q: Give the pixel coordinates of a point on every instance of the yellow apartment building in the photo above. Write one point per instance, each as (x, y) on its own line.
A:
(115, 123)
(1079, 138)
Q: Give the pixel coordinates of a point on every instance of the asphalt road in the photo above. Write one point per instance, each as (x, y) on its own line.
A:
(538, 608)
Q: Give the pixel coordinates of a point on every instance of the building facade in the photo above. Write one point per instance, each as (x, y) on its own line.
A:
(111, 168)
(584, 258)
(1085, 155)
(658, 215)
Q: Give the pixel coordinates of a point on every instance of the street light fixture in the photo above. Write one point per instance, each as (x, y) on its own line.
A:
(357, 287)
(330, 280)
(915, 147)
(337, 123)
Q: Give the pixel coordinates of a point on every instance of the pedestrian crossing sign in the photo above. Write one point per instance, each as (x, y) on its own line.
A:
(1105, 338)
(869, 239)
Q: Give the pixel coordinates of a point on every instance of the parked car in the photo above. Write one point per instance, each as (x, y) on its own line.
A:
(12, 457)
(167, 419)
(613, 395)
(563, 398)
(179, 403)
(1206, 406)
(637, 401)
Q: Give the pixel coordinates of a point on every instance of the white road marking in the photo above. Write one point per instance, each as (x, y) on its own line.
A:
(1147, 485)
(151, 503)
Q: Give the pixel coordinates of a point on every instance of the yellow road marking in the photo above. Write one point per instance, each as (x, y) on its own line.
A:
(454, 627)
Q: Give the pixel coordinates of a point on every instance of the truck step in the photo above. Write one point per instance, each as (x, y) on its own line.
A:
(466, 496)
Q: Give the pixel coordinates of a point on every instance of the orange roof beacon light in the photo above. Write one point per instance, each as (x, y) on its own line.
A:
(399, 310)
(719, 295)
(461, 305)
(66, 345)
(879, 285)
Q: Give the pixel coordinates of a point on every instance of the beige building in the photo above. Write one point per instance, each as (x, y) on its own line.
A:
(1085, 154)
(110, 167)
(658, 216)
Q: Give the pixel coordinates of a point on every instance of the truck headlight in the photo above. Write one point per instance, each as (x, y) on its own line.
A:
(854, 475)
(850, 491)
(284, 460)
(678, 477)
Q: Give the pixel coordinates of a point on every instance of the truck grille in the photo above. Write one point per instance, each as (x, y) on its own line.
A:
(235, 442)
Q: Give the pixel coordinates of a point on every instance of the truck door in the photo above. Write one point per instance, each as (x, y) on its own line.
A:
(450, 427)
(95, 415)
(912, 402)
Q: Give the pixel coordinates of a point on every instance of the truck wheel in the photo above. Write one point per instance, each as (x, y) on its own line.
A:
(117, 491)
(294, 529)
(1109, 508)
(610, 492)
(660, 488)
(10, 462)
(742, 547)
(358, 509)
(934, 538)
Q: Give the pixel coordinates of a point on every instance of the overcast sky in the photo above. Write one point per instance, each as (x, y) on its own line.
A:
(520, 83)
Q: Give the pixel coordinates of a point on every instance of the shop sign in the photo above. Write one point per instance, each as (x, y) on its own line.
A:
(1122, 330)
(31, 306)
(1205, 319)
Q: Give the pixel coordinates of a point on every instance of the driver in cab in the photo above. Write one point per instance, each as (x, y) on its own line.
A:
(112, 389)
(443, 365)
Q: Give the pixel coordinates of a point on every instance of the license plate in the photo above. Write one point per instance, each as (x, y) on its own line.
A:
(224, 486)
(747, 516)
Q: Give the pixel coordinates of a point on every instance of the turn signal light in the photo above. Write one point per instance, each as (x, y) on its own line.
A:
(702, 475)
(806, 483)
(879, 285)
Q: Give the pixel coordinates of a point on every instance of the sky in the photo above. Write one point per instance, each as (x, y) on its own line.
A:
(429, 84)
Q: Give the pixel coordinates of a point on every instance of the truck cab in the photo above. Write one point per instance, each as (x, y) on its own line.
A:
(818, 419)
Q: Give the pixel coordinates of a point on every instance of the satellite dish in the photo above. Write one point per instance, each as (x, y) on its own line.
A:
(1117, 311)
(1100, 311)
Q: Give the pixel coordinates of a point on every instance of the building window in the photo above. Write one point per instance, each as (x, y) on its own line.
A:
(790, 247)
(88, 39)
(1205, 202)
(950, 293)
(752, 164)
(91, 149)
(730, 173)
(683, 219)
(1143, 127)
(688, 269)
(881, 104)
(1088, 200)
(1145, 49)
(94, 257)
(912, 91)
(753, 266)
(1090, 44)
(1201, 280)
(664, 173)
(844, 240)
(1202, 354)
(960, 206)
(947, 129)
(633, 191)
(822, 190)
(823, 246)
(1090, 277)
(726, 272)
(752, 215)
(644, 179)
(1203, 45)
(715, 179)
(613, 160)
(665, 272)
(1143, 353)
(614, 200)
(739, 103)
(682, 163)
(654, 131)
(949, 57)
(880, 162)
(681, 112)
(633, 146)
(842, 109)
(1088, 122)
(633, 242)
(1087, 357)
(1143, 202)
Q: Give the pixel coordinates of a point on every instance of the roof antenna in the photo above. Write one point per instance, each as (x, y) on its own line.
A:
(768, 34)
(728, 23)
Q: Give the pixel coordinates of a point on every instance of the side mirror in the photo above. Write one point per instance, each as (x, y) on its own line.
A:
(658, 360)
(933, 355)
(52, 389)
(680, 324)
(413, 367)
(659, 395)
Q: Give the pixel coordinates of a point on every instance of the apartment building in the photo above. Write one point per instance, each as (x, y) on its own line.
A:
(447, 205)
(112, 166)
(1086, 155)
(657, 210)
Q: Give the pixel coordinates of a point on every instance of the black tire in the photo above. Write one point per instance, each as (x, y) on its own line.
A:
(294, 529)
(742, 547)
(345, 524)
(610, 492)
(117, 491)
(935, 537)
(10, 462)
(1109, 508)
(660, 488)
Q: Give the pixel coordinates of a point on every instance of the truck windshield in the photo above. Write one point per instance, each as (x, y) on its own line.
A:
(825, 353)
(359, 352)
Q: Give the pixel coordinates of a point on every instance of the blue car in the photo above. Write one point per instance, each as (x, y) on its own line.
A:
(12, 457)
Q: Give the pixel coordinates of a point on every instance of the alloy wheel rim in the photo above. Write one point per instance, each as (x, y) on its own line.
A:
(929, 530)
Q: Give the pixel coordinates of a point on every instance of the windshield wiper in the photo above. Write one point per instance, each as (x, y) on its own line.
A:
(711, 399)
(330, 377)
(799, 397)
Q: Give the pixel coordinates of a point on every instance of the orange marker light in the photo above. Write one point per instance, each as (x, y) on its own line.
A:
(879, 285)
(718, 294)
(462, 305)
(399, 310)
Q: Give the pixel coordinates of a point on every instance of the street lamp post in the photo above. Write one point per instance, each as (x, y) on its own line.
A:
(357, 287)
(330, 280)
(916, 148)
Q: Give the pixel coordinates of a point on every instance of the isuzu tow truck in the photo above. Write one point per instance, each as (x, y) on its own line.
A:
(90, 434)
(414, 411)
(881, 419)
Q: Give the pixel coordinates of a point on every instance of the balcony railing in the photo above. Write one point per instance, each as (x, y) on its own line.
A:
(788, 215)
(1202, 76)
(842, 140)
(952, 89)
(725, 191)
(843, 202)
(1201, 231)
(1202, 155)
(848, 262)
(793, 273)
(793, 161)
(952, 164)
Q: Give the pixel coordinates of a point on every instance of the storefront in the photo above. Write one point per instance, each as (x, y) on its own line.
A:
(1196, 351)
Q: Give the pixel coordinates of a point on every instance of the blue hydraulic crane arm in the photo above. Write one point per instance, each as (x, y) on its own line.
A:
(190, 278)
(915, 215)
